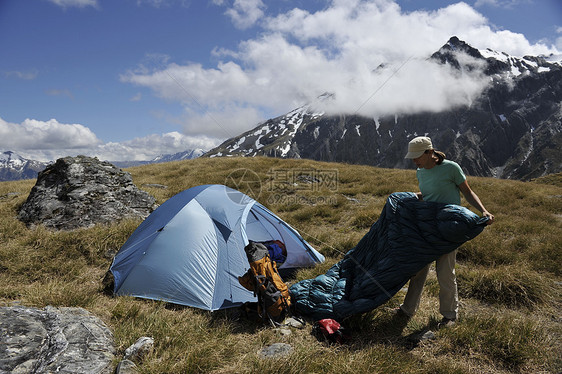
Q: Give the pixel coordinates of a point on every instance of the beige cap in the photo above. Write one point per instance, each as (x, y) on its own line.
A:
(418, 146)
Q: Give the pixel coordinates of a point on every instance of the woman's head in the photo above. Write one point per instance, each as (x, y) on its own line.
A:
(420, 150)
(418, 146)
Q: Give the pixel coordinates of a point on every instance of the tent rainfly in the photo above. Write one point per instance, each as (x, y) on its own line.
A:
(190, 250)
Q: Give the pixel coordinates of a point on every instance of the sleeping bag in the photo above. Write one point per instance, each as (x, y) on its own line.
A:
(408, 235)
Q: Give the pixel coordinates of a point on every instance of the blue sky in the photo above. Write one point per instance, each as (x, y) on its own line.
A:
(132, 79)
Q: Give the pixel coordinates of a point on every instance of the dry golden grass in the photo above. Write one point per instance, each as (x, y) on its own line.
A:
(509, 276)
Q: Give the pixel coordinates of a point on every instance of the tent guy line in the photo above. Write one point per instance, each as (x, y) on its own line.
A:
(383, 84)
(359, 265)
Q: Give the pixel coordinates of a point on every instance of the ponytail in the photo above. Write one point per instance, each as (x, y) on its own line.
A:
(440, 156)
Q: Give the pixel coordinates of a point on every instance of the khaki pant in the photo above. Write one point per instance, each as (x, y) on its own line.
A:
(448, 296)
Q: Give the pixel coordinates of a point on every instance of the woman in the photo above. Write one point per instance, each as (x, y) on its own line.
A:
(440, 180)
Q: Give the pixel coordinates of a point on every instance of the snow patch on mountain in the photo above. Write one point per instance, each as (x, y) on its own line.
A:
(518, 66)
(281, 129)
(15, 167)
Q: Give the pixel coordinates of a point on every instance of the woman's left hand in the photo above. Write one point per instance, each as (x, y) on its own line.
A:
(490, 217)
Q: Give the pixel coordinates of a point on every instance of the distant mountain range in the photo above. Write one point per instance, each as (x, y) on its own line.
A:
(513, 130)
(15, 167)
(186, 155)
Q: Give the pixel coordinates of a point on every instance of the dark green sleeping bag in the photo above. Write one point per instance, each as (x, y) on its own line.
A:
(408, 235)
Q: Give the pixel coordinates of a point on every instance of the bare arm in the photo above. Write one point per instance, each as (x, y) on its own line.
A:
(474, 200)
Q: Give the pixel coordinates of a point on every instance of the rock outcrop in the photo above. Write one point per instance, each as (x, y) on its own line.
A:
(54, 340)
(77, 192)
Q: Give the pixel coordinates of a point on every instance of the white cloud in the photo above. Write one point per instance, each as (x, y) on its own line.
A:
(379, 28)
(62, 92)
(299, 55)
(75, 3)
(137, 97)
(33, 134)
(480, 3)
(414, 86)
(25, 75)
(49, 140)
(221, 123)
(148, 147)
(163, 3)
(499, 3)
(245, 13)
(558, 42)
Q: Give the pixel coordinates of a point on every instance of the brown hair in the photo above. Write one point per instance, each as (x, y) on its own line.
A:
(440, 155)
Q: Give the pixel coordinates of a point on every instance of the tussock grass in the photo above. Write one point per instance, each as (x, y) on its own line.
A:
(511, 286)
(509, 276)
(513, 341)
(364, 219)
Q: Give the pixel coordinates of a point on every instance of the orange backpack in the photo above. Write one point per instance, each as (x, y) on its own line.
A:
(264, 280)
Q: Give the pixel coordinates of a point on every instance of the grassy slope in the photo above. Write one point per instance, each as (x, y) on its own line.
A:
(509, 276)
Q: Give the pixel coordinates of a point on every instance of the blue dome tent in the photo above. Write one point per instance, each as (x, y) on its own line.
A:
(190, 251)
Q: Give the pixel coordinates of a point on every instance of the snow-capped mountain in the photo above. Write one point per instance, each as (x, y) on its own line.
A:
(512, 130)
(15, 167)
(186, 155)
(272, 138)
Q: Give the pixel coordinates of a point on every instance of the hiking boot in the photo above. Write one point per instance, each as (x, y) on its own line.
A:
(446, 322)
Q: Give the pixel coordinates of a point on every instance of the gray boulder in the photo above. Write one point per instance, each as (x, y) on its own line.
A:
(276, 350)
(77, 192)
(49, 340)
(135, 353)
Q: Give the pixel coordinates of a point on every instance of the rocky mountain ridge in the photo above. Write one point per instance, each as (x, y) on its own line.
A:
(512, 130)
(14, 167)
